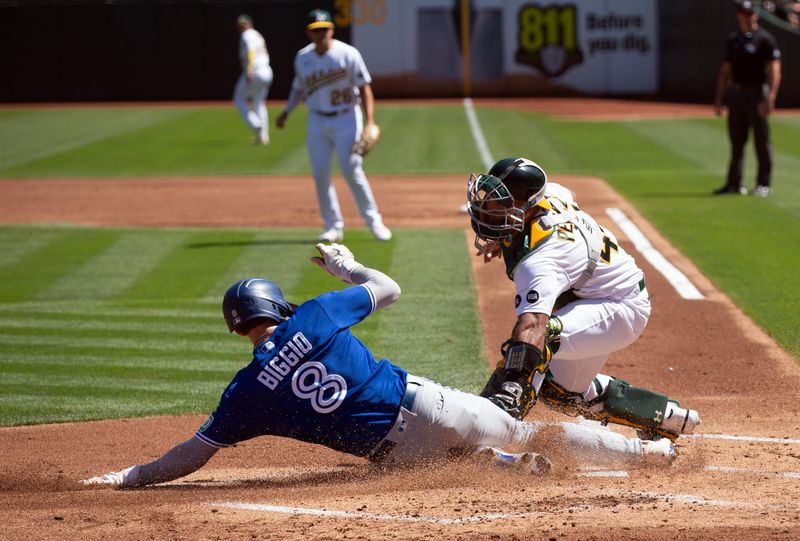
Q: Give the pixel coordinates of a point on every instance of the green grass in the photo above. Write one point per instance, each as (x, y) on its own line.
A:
(145, 142)
(93, 318)
(94, 326)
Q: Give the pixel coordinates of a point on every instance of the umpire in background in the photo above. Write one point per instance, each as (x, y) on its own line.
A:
(751, 74)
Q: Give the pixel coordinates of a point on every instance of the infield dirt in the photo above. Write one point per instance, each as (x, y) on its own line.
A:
(705, 353)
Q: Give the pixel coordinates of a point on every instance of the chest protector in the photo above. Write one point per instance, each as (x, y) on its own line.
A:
(540, 230)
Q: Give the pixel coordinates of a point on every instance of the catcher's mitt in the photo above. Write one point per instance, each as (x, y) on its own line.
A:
(369, 138)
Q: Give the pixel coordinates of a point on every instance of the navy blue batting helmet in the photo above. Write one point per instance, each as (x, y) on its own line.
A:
(251, 298)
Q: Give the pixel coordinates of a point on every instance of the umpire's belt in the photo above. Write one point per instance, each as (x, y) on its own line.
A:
(330, 113)
(398, 428)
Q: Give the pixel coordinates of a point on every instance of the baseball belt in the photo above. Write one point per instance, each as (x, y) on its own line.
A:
(397, 432)
(331, 113)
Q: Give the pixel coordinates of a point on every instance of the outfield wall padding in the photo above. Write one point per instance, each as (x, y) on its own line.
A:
(96, 50)
(184, 50)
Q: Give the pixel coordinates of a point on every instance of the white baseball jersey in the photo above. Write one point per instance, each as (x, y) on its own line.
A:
(557, 262)
(330, 82)
(251, 42)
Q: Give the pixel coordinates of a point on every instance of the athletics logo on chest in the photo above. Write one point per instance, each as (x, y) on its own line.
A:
(321, 77)
(279, 366)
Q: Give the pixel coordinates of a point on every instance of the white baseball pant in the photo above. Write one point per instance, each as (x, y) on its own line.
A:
(593, 329)
(255, 90)
(329, 134)
(443, 419)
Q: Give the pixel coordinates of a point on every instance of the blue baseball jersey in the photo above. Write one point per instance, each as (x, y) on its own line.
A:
(313, 381)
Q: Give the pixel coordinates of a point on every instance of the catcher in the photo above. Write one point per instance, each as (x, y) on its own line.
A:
(580, 297)
(310, 379)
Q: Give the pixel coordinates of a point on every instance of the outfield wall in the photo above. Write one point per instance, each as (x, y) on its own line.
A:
(103, 50)
(108, 50)
(512, 46)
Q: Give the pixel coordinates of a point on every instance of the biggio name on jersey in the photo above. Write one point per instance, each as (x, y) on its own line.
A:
(278, 367)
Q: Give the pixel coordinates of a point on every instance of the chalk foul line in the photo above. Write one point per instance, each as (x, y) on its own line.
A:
(731, 437)
(600, 472)
(477, 134)
(674, 276)
(760, 473)
(690, 499)
(282, 509)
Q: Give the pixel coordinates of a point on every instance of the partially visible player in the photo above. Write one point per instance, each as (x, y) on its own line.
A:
(334, 82)
(580, 297)
(252, 88)
(310, 379)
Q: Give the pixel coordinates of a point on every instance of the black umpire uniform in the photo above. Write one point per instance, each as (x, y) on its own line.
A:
(751, 87)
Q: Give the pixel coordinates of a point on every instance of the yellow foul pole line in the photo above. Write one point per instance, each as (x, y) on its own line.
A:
(465, 52)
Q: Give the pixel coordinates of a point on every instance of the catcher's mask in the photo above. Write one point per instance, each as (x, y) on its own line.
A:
(500, 202)
(251, 298)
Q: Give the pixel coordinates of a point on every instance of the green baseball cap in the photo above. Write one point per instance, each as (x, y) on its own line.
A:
(319, 18)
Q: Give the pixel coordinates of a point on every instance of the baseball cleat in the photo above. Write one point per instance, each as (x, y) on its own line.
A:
(678, 420)
(528, 461)
(726, 190)
(260, 136)
(761, 191)
(662, 450)
(334, 234)
(380, 231)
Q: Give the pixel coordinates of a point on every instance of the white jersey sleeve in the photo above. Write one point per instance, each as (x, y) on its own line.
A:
(252, 44)
(359, 71)
(539, 282)
(297, 82)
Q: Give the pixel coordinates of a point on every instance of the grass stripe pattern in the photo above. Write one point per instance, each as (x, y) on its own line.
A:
(127, 322)
(128, 297)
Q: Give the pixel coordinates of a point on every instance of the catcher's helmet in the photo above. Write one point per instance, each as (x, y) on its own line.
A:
(492, 198)
(251, 298)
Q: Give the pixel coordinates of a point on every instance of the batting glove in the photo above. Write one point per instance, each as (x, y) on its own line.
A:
(121, 478)
(337, 260)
